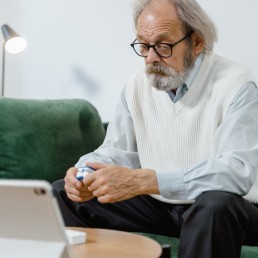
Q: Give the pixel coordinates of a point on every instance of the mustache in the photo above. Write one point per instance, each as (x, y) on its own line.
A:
(159, 69)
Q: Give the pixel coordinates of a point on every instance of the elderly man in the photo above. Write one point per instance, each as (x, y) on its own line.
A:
(183, 147)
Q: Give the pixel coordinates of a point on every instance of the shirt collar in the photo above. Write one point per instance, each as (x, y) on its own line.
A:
(194, 71)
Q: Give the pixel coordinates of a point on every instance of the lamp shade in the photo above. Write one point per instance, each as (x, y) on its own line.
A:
(13, 42)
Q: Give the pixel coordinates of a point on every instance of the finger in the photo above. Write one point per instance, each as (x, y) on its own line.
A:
(97, 165)
(71, 175)
(106, 199)
(77, 198)
(98, 193)
(71, 179)
(89, 179)
(102, 191)
(96, 180)
(76, 191)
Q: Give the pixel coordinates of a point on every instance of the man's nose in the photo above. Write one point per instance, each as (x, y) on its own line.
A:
(152, 57)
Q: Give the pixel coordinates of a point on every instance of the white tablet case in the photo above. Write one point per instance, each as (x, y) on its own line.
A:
(30, 221)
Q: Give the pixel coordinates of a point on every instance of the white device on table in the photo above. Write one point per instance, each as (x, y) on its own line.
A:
(31, 224)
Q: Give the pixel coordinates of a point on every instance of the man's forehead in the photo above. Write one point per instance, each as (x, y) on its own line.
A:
(157, 34)
(151, 25)
(158, 16)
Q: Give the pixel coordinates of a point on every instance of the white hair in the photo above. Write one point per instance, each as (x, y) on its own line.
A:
(192, 16)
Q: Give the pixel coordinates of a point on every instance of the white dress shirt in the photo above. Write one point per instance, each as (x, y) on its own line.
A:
(120, 146)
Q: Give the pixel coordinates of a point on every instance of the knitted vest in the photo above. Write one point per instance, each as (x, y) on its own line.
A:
(179, 135)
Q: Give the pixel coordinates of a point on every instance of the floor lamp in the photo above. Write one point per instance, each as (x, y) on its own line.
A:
(13, 44)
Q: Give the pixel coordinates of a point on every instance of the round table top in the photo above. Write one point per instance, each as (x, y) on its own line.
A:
(105, 243)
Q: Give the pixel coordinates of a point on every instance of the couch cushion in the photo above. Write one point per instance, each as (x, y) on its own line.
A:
(246, 251)
(41, 139)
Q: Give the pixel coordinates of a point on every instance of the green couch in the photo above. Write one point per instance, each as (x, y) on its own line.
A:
(41, 139)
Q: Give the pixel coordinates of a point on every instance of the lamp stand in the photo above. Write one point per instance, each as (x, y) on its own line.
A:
(3, 70)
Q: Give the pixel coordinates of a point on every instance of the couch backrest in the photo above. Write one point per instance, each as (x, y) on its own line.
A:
(41, 139)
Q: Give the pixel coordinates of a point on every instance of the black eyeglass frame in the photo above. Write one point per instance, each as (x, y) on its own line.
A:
(171, 45)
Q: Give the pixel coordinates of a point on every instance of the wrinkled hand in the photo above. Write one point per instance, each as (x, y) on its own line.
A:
(75, 189)
(110, 183)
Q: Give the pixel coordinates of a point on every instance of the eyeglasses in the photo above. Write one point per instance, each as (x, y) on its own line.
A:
(162, 49)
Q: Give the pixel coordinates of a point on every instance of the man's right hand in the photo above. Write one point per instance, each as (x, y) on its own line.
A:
(75, 189)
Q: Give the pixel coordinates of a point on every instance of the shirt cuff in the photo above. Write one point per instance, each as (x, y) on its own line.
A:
(171, 184)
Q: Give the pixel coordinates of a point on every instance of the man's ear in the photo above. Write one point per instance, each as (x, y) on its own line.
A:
(197, 43)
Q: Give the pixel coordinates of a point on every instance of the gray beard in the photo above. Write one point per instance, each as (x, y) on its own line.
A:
(166, 78)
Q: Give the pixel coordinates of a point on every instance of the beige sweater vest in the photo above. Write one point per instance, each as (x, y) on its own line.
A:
(179, 135)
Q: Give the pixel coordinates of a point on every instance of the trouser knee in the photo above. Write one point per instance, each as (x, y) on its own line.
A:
(218, 201)
(216, 204)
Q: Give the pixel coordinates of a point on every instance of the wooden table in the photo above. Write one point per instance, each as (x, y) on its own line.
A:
(103, 243)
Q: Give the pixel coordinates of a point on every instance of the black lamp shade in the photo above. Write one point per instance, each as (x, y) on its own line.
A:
(13, 43)
(8, 32)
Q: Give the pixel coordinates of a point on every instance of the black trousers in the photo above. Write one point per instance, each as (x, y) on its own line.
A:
(215, 226)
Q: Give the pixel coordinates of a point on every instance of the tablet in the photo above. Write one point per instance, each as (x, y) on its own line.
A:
(31, 224)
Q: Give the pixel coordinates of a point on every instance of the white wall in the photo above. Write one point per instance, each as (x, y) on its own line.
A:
(236, 21)
(80, 48)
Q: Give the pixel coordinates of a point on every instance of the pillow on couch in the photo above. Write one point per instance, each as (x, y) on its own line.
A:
(41, 139)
